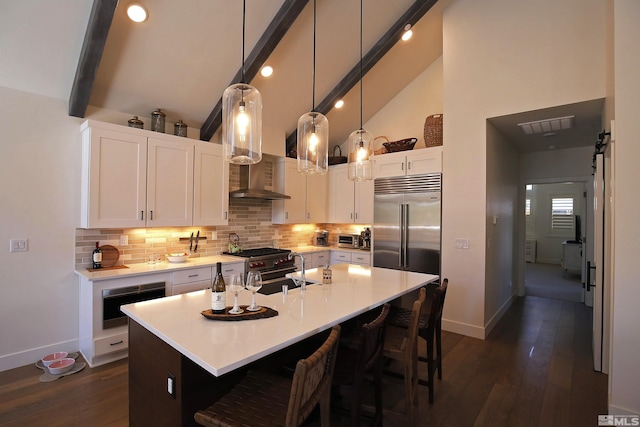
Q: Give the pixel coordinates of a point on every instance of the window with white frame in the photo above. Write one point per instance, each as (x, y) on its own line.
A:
(562, 215)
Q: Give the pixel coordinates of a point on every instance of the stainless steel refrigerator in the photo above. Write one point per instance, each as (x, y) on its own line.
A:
(406, 223)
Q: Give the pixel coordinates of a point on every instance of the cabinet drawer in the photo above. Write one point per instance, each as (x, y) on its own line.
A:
(232, 268)
(338, 257)
(110, 344)
(364, 259)
(190, 287)
(191, 275)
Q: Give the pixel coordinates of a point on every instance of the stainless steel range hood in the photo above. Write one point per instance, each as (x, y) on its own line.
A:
(252, 182)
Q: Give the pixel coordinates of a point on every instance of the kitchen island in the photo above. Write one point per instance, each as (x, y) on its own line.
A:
(180, 361)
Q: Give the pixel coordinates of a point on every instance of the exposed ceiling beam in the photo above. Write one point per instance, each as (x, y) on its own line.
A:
(382, 46)
(268, 41)
(95, 38)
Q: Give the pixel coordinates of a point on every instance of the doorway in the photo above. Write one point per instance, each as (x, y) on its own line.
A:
(554, 245)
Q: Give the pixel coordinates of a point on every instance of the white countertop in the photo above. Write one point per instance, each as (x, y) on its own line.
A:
(161, 267)
(166, 266)
(311, 249)
(222, 346)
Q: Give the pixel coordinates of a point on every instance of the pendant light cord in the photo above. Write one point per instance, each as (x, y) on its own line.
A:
(244, 12)
(360, 64)
(313, 90)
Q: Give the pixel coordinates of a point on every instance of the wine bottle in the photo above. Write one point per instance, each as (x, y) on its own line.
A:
(218, 292)
(97, 256)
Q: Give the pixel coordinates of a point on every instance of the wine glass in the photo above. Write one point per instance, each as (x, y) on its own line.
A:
(254, 283)
(236, 286)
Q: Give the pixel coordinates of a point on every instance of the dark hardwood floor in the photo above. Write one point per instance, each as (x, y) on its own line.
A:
(535, 369)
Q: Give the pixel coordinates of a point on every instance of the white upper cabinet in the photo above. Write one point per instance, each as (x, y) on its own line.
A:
(169, 183)
(210, 185)
(308, 203)
(114, 179)
(317, 195)
(137, 178)
(349, 202)
(414, 162)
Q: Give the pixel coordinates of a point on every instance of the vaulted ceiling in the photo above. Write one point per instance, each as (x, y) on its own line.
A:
(184, 56)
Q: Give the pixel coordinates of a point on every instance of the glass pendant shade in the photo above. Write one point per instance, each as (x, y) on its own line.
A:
(242, 124)
(360, 156)
(313, 143)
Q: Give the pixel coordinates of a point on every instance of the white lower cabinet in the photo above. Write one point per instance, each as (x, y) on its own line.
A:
(101, 345)
(361, 259)
(193, 279)
(230, 268)
(313, 260)
(341, 257)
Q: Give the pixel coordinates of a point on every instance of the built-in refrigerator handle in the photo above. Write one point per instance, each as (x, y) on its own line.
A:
(401, 232)
(404, 233)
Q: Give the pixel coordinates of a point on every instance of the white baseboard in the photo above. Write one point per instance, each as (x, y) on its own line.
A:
(477, 331)
(618, 410)
(27, 357)
(463, 329)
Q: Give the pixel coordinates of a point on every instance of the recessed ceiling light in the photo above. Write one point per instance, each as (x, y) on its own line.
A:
(266, 71)
(136, 12)
(552, 147)
(547, 125)
(339, 103)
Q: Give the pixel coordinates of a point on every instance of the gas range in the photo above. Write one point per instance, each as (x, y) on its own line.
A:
(272, 263)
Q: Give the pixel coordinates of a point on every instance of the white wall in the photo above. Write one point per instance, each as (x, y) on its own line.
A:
(501, 225)
(40, 193)
(624, 377)
(404, 116)
(502, 57)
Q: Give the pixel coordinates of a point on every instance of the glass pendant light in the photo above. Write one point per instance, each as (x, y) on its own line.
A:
(313, 129)
(242, 118)
(360, 154)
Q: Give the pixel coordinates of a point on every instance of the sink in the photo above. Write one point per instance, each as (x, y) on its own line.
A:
(275, 287)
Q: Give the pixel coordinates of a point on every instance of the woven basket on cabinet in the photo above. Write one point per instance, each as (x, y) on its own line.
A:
(433, 130)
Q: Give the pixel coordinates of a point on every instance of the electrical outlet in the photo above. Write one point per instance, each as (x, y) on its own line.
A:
(462, 243)
(214, 235)
(124, 240)
(18, 245)
(171, 385)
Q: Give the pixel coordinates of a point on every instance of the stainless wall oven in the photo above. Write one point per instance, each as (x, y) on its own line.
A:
(112, 299)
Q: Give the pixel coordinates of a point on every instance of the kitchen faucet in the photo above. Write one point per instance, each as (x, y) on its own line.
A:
(302, 281)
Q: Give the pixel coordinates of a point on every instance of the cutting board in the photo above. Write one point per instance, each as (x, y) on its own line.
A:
(110, 256)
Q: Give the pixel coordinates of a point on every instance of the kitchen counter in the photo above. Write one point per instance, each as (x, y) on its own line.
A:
(355, 290)
(312, 249)
(180, 361)
(164, 266)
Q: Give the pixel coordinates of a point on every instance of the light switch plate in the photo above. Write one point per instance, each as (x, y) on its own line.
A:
(18, 245)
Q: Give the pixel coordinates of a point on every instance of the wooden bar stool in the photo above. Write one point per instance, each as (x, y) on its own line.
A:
(401, 344)
(355, 361)
(430, 329)
(261, 398)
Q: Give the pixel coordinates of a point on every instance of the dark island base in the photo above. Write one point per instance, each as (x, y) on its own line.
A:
(151, 363)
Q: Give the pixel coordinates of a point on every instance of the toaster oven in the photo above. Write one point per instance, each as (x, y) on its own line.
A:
(349, 241)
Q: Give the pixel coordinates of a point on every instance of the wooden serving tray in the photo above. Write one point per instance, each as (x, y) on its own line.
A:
(263, 313)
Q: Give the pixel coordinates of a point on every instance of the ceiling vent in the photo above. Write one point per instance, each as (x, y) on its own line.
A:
(547, 125)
